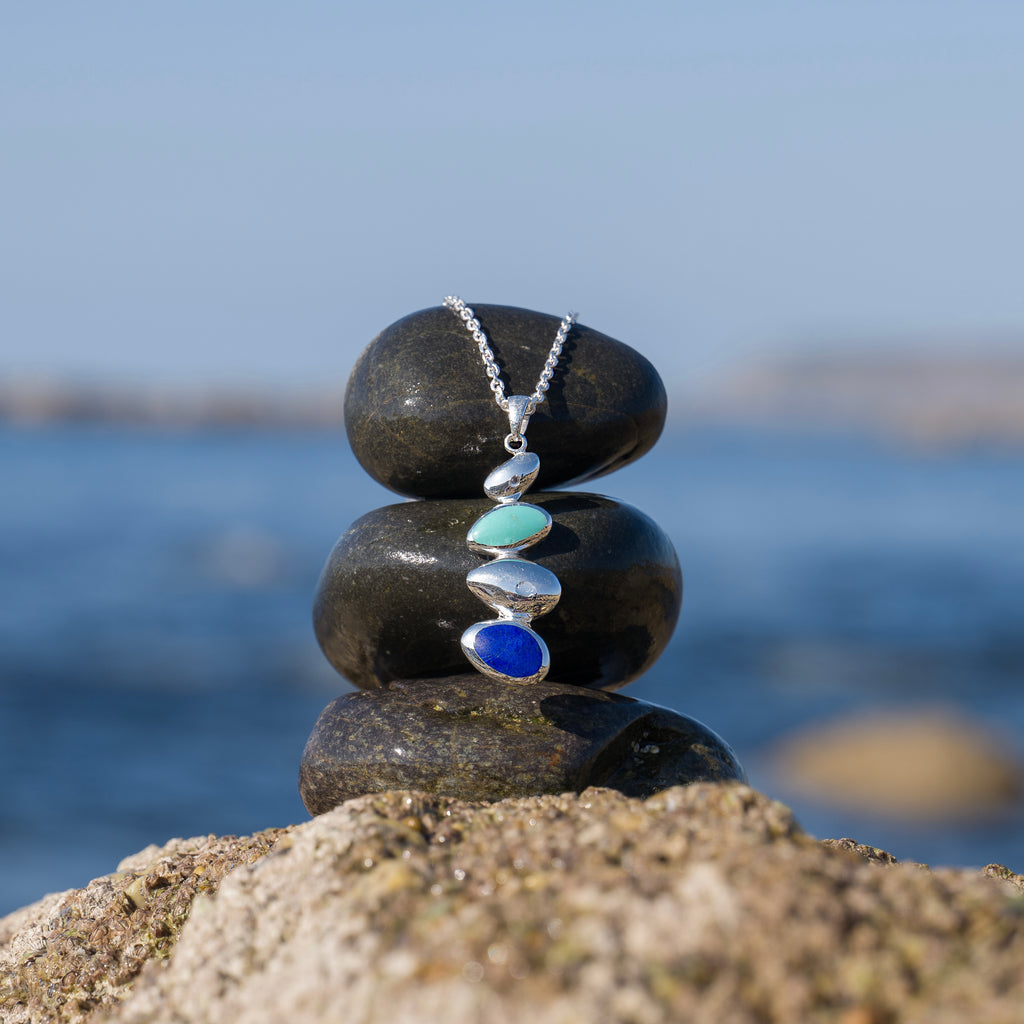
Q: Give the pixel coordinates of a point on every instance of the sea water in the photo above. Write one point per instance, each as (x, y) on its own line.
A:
(159, 675)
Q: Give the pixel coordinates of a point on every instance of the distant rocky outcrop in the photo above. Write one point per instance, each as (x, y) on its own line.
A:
(916, 764)
(936, 399)
(702, 903)
(33, 401)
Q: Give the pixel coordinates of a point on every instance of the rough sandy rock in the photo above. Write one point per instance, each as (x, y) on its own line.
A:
(74, 952)
(702, 903)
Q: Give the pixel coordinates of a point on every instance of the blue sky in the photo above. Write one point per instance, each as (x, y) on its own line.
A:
(246, 193)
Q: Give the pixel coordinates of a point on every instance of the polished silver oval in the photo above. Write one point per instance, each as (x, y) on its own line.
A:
(513, 586)
(511, 479)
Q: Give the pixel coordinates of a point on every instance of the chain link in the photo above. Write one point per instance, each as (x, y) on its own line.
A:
(468, 317)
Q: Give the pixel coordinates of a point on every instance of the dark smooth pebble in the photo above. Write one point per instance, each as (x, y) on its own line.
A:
(392, 601)
(477, 739)
(422, 420)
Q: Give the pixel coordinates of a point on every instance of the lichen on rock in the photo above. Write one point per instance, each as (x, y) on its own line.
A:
(75, 952)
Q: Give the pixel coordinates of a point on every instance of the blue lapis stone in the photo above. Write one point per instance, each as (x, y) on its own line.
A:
(509, 649)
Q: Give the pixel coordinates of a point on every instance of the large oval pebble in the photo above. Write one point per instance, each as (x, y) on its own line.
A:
(422, 420)
(477, 739)
(392, 601)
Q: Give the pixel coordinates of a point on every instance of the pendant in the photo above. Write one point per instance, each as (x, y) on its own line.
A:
(506, 648)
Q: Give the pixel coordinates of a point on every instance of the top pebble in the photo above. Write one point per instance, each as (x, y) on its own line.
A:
(422, 420)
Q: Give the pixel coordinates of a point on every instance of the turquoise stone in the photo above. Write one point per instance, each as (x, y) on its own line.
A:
(509, 527)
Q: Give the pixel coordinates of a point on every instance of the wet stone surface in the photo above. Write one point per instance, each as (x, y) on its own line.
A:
(477, 739)
(392, 601)
(422, 420)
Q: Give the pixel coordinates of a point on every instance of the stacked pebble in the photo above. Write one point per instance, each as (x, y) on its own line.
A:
(393, 601)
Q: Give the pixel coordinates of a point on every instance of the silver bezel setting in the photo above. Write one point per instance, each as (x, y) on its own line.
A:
(511, 549)
(481, 666)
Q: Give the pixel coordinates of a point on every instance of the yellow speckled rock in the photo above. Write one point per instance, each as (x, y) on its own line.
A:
(701, 903)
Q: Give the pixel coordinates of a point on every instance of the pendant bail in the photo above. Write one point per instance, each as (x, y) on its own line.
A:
(518, 417)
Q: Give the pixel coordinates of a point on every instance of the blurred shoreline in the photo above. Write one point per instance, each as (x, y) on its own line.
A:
(40, 400)
(934, 401)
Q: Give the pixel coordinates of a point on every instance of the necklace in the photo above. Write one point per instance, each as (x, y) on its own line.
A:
(506, 648)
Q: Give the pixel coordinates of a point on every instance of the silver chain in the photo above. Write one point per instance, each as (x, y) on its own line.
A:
(468, 317)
